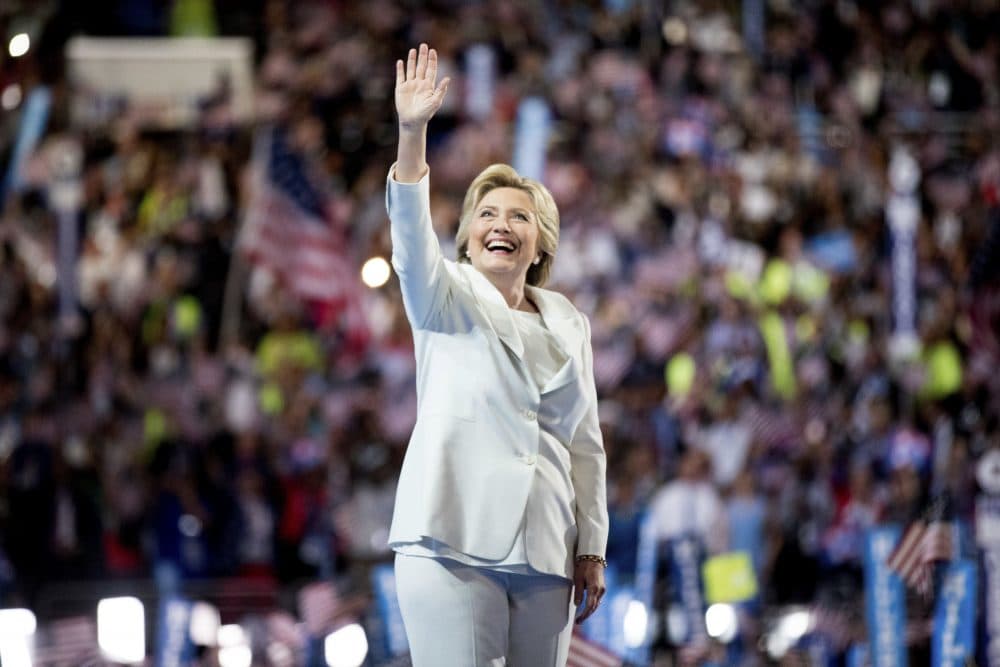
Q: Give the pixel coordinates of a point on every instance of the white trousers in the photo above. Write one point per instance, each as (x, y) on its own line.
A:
(463, 616)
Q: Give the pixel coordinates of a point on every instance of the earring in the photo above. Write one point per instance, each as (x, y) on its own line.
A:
(537, 260)
(468, 254)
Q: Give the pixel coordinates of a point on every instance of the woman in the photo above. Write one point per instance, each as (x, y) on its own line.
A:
(500, 516)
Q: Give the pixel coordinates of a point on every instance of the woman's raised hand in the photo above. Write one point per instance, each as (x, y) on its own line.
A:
(417, 96)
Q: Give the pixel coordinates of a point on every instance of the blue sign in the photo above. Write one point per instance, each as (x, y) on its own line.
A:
(685, 565)
(384, 585)
(955, 616)
(34, 118)
(531, 137)
(645, 581)
(885, 601)
(857, 655)
(173, 638)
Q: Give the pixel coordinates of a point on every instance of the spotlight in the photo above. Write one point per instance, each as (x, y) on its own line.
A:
(121, 629)
(636, 623)
(17, 623)
(234, 647)
(375, 272)
(789, 629)
(204, 626)
(17, 626)
(346, 647)
(19, 45)
(721, 622)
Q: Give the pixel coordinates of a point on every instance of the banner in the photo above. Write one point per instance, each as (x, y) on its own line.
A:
(173, 639)
(903, 215)
(857, 655)
(384, 587)
(988, 537)
(954, 642)
(531, 137)
(480, 81)
(885, 602)
(729, 577)
(685, 566)
(34, 118)
(645, 581)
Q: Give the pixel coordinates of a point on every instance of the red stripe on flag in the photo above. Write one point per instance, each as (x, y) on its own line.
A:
(584, 653)
(922, 545)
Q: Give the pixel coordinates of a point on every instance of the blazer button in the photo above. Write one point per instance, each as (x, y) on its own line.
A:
(529, 459)
(530, 415)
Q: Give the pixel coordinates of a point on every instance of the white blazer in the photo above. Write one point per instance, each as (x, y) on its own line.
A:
(470, 464)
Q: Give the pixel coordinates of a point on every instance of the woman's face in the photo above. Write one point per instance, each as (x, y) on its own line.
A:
(503, 234)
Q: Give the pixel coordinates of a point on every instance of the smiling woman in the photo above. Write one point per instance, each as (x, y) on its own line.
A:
(501, 520)
(501, 205)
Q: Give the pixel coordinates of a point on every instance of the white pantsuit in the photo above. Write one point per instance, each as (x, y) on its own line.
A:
(505, 469)
(459, 615)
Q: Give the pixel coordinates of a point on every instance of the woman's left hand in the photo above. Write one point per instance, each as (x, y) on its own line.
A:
(588, 576)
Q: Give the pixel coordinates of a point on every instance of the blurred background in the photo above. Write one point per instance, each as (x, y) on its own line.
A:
(782, 218)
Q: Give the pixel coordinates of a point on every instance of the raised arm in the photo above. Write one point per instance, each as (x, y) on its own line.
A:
(417, 100)
(416, 253)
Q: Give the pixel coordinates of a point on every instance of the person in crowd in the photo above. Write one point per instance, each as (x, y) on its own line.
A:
(501, 516)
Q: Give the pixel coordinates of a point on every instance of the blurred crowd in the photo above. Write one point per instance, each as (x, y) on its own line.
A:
(721, 170)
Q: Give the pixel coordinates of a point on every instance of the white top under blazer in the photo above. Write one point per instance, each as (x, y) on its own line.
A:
(506, 466)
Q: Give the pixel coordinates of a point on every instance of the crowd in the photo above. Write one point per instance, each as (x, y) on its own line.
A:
(722, 180)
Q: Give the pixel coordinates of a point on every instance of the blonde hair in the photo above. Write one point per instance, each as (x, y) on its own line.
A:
(546, 214)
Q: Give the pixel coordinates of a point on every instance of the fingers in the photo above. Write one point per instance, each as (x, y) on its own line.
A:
(420, 64)
(594, 596)
(422, 59)
(442, 89)
(411, 64)
(432, 66)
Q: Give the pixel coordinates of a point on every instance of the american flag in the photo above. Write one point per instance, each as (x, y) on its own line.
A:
(584, 653)
(289, 228)
(72, 642)
(923, 544)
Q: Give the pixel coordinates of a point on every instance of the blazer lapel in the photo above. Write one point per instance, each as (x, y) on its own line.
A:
(496, 309)
(565, 324)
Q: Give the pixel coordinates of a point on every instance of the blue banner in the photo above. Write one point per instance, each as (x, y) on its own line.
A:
(531, 137)
(686, 558)
(988, 538)
(645, 581)
(173, 637)
(384, 586)
(955, 616)
(857, 655)
(34, 118)
(885, 601)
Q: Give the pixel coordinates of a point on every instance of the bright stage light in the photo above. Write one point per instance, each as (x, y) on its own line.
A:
(205, 623)
(789, 629)
(346, 647)
(234, 647)
(636, 624)
(17, 626)
(17, 623)
(721, 622)
(235, 656)
(121, 629)
(375, 272)
(19, 45)
(15, 652)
